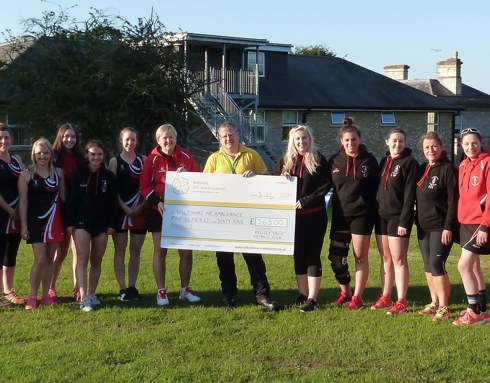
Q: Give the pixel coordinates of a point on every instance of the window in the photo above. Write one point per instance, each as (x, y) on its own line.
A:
(433, 122)
(289, 120)
(458, 122)
(251, 55)
(21, 133)
(337, 118)
(260, 126)
(388, 118)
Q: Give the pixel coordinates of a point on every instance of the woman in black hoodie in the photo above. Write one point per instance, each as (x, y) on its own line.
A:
(436, 222)
(396, 197)
(91, 208)
(303, 161)
(355, 173)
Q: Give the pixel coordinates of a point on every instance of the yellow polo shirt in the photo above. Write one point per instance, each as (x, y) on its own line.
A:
(246, 159)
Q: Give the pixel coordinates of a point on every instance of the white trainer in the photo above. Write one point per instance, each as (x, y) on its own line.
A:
(162, 298)
(86, 305)
(186, 294)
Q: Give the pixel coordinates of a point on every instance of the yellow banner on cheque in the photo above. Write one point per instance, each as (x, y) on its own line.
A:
(228, 212)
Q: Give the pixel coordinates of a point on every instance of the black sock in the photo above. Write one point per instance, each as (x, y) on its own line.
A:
(483, 300)
(474, 302)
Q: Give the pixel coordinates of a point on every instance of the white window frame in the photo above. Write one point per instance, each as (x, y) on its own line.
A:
(336, 121)
(260, 126)
(391, 121)
(433, 122)
(288, 124)
(251, 62)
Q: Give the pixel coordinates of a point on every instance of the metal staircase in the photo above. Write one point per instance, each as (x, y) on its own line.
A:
(216, 106)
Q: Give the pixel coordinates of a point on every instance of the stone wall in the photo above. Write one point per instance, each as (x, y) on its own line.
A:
(369, 122)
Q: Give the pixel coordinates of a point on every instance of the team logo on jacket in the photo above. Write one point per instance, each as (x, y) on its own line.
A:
(364, 171)
(434, 181)
(161, 170)
(396, 171)
(335, 170)
(104, 186)
(475, 181)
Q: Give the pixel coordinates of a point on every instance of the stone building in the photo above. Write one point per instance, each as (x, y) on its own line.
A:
(474, 105)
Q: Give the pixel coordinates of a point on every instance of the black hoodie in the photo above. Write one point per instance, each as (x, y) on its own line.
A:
(437, 196)
(396, 189)
(311, 188)
(92, 198)
(355, 180)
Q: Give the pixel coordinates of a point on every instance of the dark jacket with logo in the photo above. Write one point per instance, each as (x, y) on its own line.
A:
(396, 189)
(311, 188)
(354, 180)
(437, 196)
(92, 199)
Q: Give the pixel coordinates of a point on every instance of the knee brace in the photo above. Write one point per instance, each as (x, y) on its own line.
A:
(338, 251)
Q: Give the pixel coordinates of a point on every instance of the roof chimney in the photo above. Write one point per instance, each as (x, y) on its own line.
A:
(397, 72)
(449, 74)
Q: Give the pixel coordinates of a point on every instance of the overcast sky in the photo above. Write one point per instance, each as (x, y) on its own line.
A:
(371, 33)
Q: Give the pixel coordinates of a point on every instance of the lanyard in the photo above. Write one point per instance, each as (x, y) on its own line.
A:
(232, 165)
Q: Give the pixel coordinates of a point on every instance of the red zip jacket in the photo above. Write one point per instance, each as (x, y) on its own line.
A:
(474, 184)
(157, 164)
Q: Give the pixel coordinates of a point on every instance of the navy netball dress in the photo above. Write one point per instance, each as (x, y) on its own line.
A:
(44, 210)
(128, 183)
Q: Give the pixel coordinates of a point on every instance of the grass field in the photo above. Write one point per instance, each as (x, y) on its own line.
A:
(210, 343)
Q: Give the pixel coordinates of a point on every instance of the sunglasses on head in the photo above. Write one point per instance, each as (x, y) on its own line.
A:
(469, 131)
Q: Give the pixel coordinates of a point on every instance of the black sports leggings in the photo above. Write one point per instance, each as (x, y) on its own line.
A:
(434, 253)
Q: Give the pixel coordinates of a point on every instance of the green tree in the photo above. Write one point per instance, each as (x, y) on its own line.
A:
(314, 50)
(102, 74)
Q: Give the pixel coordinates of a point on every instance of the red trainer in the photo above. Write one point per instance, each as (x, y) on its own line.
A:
(341, 299)
(383, 302)
(355, 303)
(469, 317)
(400, 307)
(31, 303)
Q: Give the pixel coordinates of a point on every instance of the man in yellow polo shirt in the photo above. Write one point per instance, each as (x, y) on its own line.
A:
(234, 158)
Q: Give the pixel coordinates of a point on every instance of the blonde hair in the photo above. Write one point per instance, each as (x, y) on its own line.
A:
(45, 143)
(165, 128)
(311, 159)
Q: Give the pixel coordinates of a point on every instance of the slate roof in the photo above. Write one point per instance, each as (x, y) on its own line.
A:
(312, 82)
(469, 97)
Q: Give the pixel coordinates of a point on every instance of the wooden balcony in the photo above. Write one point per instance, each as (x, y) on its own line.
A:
(235, 82)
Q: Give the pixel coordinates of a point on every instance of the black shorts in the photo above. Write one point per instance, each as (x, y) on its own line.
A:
(389, 226)
(154, 221)
(360, 225)
(434, 252)
(93, 230)
(467, 233)
(9, 245)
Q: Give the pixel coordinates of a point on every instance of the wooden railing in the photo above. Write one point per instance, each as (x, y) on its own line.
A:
(239, 81)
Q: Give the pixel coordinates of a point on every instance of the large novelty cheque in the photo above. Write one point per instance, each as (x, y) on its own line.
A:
(229, 212)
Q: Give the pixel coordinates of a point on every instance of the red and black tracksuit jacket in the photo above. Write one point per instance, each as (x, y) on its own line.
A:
(474, 185)
(157, 164)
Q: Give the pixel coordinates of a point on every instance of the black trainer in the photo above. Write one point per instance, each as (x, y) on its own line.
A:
(133, 293)
(301, 299)
(268, 303)
(309, 306)
(123, 295)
